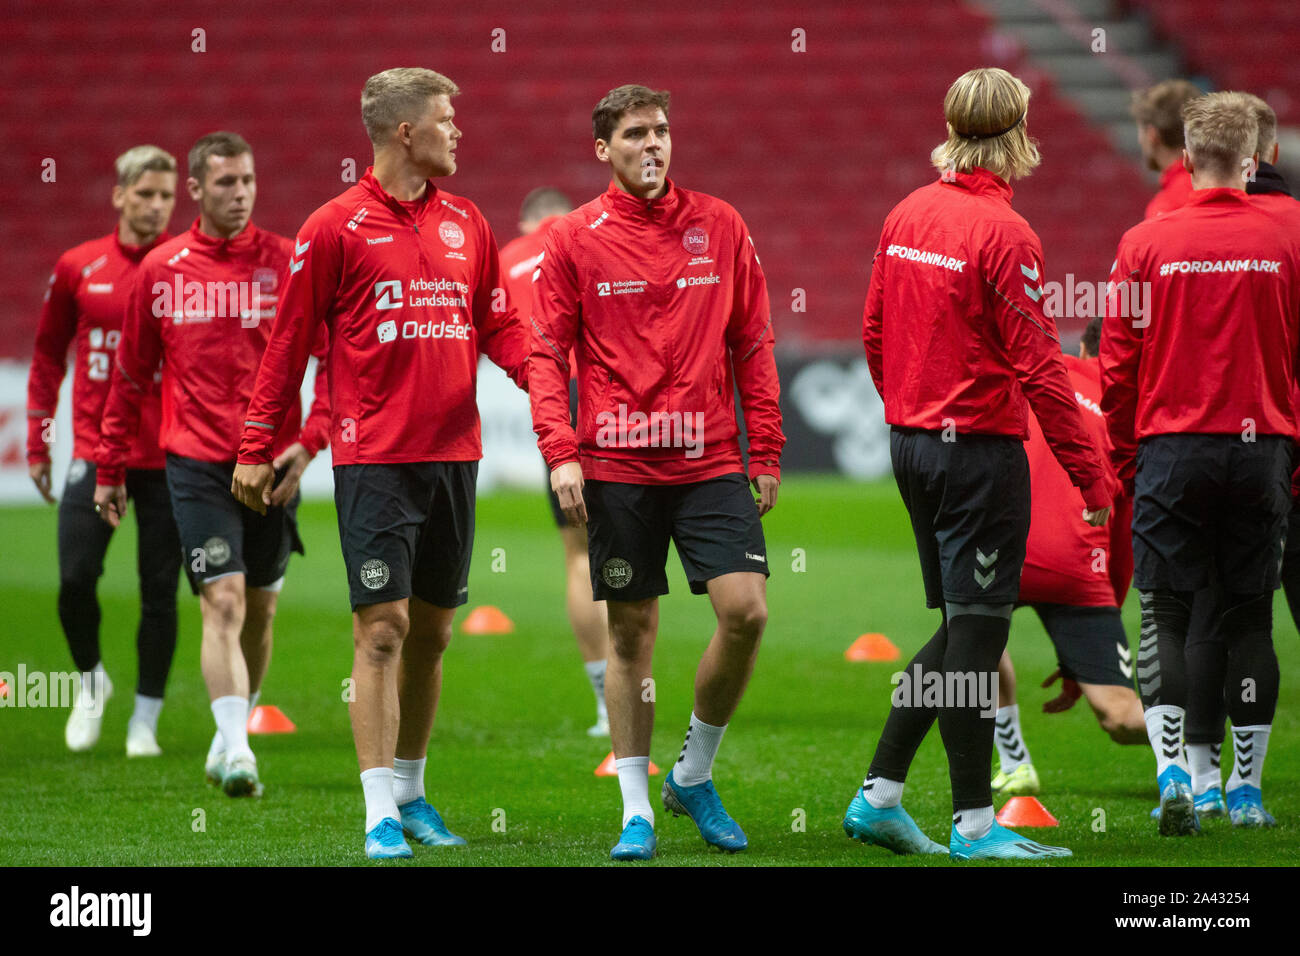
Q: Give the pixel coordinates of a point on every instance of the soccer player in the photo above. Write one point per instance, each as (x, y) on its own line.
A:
(201, 303)
(86, 300)
(660, 295)
(1158, 111)
(405, 276)
(542, 208)
(1076, 577)
(956, 341)
(1199, 402)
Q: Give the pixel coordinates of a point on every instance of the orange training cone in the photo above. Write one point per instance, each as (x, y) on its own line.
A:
(269, 719)
(1025, 812)
(607, 768)
(4, 689)
(487, 619)
(872, 647)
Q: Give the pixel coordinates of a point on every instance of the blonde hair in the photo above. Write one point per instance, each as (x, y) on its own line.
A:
(1161, 107)
(985, 110)
(1266, 119)
(138, 160)
(400, 95)
(1221, 131)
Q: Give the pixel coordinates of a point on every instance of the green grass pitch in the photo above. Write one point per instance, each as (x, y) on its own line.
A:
(510, 767)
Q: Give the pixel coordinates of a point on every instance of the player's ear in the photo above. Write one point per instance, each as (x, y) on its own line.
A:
(602, 150)
(119, 197)
(1187, 161)
(193, 188)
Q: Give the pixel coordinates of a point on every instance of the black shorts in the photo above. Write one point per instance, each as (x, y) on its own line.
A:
(1091, 646)
(969, 503)
(1211, 507)
(219, 536)
(407, 530)
(714, 524)
(556, 511)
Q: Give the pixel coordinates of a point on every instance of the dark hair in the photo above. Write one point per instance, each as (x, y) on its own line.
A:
(215, 144)
(542, 202)
(1092, 337)
(624, 99)
(1161, 106)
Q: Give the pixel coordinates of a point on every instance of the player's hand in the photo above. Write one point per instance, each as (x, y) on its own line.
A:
(296, 458)
(110, 503)
(1070, 692)
(40, 473)
(766, 486)
(251, 486)
(1097, 518)
(566, 482)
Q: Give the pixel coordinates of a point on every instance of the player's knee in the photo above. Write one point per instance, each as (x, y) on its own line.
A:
(631, 629)
(381, 634)
(223, 605)
(744, 620)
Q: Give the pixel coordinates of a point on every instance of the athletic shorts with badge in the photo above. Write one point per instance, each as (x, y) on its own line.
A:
(969, 503)
(219, 536)
(714, 524)
(407, 530)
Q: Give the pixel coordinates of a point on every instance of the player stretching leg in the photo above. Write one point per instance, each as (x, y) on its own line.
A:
(953, 327)
(656, 455)
(201, 305)
(86, 301)
(541, 209)
(1199, 402)
(405, 276)
(1076, 577)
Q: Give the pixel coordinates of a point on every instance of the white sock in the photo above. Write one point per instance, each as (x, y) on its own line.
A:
(1165, 731)
(146, 711)
(634, 781)
(1205, 775)
(1249, 747)
(1012, 751)
(218, 745)
(596, 674)
(1216, 757)
(377, 785)
(231, 714)
(408, 780)
(974, 824)
(695, 763)
(882, 793)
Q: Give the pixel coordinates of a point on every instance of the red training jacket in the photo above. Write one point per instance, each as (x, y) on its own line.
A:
(1068, 561)
(86, 301)
(955, 332)
(192, 306)
(665, 306)
(411, 294)
(1175, 189)
(1214, 351)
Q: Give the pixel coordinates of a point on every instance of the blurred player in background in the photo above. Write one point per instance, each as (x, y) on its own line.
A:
(1158, 111)
(542, 208)
(85, 303)
(202, 305)
(658, 293)
(955, 333)
(1076, 577)
(1199, 401)
(406, 278)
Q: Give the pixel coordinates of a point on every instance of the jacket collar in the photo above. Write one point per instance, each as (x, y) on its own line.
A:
(136, 253)
(616, 200)
(1268, 179)
(1173, 171)
(1219, 194)
(371, 185)
(980, 182)
(235, 245)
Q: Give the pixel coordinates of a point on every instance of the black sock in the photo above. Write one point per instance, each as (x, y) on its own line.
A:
(1252, 678)
(1162, 670)
(975, 643)
(1206, 655)
(906, 727)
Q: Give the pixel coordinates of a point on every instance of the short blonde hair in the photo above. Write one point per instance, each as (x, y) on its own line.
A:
(1161, 107)
(985, 110)
(138, 160)
(1221, 131)
(1266, 119)
(400, 95)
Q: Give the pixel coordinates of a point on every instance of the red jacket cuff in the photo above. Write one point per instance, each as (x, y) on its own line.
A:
(1100, 494)
(757, 468)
